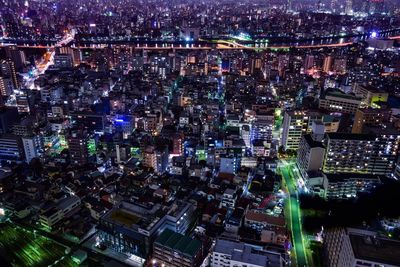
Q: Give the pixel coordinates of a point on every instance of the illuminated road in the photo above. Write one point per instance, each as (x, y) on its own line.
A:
(225, 45)
(295, 215)
(47, 60)
(219, 45)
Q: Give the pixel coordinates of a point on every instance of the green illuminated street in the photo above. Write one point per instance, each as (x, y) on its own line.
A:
(21, 247)
(295, 216)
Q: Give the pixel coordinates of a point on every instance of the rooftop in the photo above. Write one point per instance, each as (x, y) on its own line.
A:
(340, 94)
(311, 142)
(378, 250)
(178, 242)
(349, 136)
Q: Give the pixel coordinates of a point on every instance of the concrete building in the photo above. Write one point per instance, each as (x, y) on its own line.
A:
(156, 159)
(343, 186)
(78, 147)
(360, 153)
(310, 156)
(230, 254)
(8, 117)
(32, 147)
(229, 198)
(349, 247)
(369, 117)
(229, 164)
(298, 123)
(62, 209)
(11, 148)
(63, 61)
(338, 101)
(176, 250)
(370, 95)
(8, 71)
(131, 228)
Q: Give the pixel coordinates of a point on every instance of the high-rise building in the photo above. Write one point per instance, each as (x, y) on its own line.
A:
(298, 123)
(310, 156)
(7, 70)
(327, 64)
(156, 158)
(359, 247)
(369, 117)
(78, 147)
(74, 53)
(32, 147)
(377, 6)
(11, 148)
(309, 62)
(361, 153)
(6, 86)
(8, 116)
(23, 104)
(16, 56)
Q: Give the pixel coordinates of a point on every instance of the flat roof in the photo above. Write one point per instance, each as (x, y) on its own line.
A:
(339, 93)
(179, 242)
(311, 142)
(124, 217)
(351, 136)
(378, 250)
(338, 177)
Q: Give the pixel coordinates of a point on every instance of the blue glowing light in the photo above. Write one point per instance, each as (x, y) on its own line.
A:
(374, 34)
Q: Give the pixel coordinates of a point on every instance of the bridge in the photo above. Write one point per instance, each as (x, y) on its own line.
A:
(259, 43)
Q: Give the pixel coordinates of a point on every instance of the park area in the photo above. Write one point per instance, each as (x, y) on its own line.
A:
(21, 247)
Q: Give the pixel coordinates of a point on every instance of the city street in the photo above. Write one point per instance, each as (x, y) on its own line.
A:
(295, 214)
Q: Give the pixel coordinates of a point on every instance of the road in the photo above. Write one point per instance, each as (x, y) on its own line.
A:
(295, 215)
(220, 45)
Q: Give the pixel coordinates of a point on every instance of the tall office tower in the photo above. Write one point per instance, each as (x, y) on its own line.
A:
(7, 71)
(349, 7)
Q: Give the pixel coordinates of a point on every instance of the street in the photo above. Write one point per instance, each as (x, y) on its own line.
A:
(295, 215)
